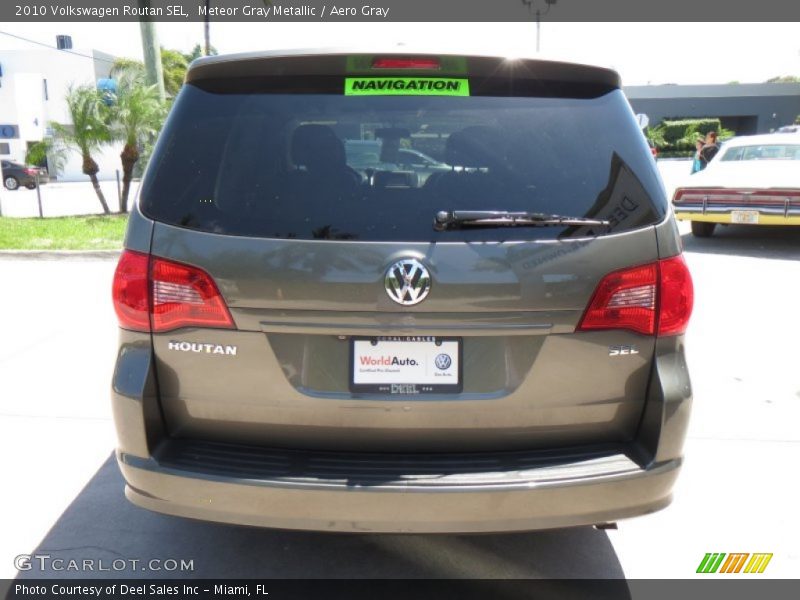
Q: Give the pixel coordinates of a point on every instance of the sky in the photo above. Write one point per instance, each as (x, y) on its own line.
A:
(643, 53)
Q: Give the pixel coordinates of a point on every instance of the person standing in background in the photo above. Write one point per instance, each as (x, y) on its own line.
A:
(697, 163)
(710, 148)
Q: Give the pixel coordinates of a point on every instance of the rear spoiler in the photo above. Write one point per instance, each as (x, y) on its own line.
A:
(344, 64)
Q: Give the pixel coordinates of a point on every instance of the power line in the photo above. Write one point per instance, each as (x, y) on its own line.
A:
(48, 46)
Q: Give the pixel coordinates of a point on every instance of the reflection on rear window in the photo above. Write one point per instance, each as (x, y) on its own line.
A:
(763, 152)
(321, 166)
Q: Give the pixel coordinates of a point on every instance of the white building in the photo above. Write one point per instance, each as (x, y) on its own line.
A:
(33, 86)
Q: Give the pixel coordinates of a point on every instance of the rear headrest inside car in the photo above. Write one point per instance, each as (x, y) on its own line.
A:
(476, 146)
(317, 148)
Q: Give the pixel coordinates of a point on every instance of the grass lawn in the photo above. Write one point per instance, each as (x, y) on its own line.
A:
(95, 232)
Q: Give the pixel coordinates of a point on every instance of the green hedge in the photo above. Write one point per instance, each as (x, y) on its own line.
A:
(677, 137)
(675, 154)
(676, 130)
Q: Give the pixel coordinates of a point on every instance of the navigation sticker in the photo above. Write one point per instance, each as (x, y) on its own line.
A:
(405, 86)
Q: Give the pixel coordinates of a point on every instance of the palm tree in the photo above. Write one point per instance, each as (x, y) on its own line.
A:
(88, 132)
(174, 66)
(137, 114)
(49, 153)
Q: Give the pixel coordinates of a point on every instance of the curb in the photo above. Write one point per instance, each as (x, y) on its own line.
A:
(60, 254)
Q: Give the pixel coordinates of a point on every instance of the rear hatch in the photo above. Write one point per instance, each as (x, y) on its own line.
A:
(357, 324)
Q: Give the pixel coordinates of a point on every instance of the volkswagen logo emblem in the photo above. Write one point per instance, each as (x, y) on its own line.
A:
(407, 282)
(443, 362)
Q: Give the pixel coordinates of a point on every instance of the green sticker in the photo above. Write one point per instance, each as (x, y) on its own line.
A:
(405, 86)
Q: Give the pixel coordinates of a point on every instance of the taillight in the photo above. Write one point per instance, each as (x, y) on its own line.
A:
(624, 300)
(131, 291)
(152, 292)
(405, 63)
(31, 171)
(656, 297)
(676, 296)
(185, 296)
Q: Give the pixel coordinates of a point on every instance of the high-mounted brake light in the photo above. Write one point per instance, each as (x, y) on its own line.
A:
(656, 297)
(151, 292)
(405, 63)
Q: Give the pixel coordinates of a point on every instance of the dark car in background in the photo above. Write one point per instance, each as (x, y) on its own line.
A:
(16, 174)
(489, 340)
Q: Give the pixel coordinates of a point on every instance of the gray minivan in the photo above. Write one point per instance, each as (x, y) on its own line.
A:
(495, 346)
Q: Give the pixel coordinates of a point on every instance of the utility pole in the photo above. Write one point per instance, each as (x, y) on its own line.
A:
(533, 3)
(207, 29)
(152, 52)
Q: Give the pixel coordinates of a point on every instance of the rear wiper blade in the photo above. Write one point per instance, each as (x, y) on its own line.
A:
(501, 218)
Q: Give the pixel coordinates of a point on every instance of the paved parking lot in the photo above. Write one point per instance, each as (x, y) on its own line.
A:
(63, 495)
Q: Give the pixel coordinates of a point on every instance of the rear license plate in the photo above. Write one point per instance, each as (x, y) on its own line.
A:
(749, 217)
(406, 365)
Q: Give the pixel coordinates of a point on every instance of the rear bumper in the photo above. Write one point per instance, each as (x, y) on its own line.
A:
(775, 217)
(545, 491)
(386, 492)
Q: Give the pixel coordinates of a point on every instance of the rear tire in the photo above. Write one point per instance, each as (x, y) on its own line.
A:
(702, 229)
(30, 186)
(11, 183)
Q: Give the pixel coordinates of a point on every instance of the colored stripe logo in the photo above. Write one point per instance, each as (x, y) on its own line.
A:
(737, 562)
(405, 86)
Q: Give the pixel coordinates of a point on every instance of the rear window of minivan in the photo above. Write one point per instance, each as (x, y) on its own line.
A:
(322, 166)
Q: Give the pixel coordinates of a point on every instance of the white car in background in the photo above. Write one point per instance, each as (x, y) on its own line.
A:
(753, 180)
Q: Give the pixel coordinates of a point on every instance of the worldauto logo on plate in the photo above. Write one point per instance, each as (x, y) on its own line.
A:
(385, 361)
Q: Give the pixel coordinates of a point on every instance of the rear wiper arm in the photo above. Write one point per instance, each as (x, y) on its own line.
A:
(501, 218)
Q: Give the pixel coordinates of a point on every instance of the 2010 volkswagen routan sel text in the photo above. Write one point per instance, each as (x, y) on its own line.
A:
(494, 344)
